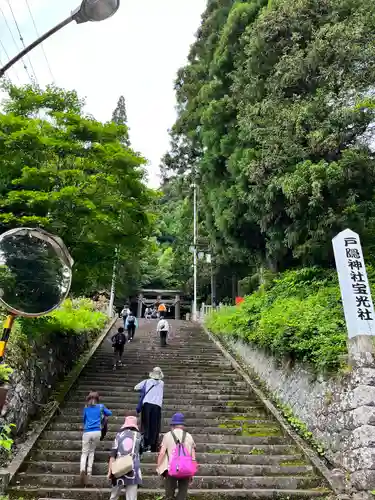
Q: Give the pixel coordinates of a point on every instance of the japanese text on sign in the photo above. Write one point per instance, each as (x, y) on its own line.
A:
(355, 289)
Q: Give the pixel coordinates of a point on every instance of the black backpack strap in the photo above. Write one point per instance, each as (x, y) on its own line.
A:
(175, 438)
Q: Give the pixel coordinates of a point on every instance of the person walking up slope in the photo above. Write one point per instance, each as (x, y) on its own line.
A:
(176, 460)
(118, 344)
(151, 404)
(163, 329)
(125, 313)
(127, 442)
(93, 419)
(131, 324)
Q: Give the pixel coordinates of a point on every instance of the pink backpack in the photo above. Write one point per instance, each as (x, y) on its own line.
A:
(181, 465)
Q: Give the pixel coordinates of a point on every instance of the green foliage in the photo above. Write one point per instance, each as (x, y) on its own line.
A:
(5, 372)
(6, 442)
(74, 317)
(74, 176)
(299, 317)
(275, 115)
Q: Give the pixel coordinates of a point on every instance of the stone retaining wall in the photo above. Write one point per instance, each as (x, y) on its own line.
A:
(339, 411)
(44, 366)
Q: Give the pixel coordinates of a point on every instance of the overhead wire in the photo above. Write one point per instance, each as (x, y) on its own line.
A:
(22, 40)
(14, 41)
(7, 56)
(38, 35)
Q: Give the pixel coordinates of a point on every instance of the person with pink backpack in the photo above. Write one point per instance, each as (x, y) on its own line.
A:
(176, 461)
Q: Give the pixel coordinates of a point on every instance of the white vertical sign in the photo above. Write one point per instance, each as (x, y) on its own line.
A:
(354, 285)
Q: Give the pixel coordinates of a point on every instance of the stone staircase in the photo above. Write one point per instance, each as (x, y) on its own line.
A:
(241, 449)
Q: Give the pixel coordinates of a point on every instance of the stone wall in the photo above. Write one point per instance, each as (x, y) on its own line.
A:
(339, 411)
(33, 382)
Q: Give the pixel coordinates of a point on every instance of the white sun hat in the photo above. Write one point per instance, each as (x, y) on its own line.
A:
(157, 373)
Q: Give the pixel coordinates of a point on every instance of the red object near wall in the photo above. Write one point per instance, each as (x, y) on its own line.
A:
(239, 300)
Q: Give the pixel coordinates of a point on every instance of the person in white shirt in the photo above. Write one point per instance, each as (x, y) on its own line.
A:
(163, 329)
(151, 408)
(125, 313)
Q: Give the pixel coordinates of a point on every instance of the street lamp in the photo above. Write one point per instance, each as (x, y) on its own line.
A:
(89, 10)
(195, 227)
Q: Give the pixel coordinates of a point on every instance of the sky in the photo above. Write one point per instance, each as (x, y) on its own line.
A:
(136, 53)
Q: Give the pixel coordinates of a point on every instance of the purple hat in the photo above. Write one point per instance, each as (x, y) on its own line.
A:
(178, 419)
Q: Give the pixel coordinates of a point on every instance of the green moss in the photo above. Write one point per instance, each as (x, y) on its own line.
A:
(295, 463)
(257, 451)
(222, 452)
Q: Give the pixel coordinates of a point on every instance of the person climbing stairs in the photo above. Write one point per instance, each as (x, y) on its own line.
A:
(241, 449)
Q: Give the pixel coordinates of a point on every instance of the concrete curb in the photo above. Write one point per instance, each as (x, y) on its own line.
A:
(6, 475)
(335, 482)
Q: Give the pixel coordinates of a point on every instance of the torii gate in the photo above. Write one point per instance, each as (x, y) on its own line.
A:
(144, 299)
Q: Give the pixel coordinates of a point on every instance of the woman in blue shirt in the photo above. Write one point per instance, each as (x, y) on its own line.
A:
(93, 415)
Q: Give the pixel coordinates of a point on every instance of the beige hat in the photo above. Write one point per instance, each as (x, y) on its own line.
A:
(156, 373)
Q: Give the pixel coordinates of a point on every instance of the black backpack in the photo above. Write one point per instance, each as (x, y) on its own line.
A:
(119, 339)
(131, 320)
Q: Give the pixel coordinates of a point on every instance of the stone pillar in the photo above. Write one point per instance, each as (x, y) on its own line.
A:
(177, 308)
(358, 450)
(140, 304)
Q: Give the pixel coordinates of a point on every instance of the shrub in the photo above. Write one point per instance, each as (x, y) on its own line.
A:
(299, 316)
(5, 372)
(74, 317)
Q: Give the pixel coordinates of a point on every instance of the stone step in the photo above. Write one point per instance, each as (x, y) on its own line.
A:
(174, 357)
(218, 417)
(229, 392)
(43, 493)
(168, 391)
(149, 469)
(133, 398)
(57, 441)
(172, 368)
(111, 377)
(259, 457)
(216, 411)
(199, 482)
(246, 431)
(128, 404)
(121, 372)
(117, 377)
(253, 446)
(68, 422)
(168, 409)
(210, 386)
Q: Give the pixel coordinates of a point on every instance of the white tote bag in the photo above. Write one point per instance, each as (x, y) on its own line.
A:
(123, 465)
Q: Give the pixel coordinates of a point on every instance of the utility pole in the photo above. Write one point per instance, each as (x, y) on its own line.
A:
(113, 286)
(213, 286)
(195, 253)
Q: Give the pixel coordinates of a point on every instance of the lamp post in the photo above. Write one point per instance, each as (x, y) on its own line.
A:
(195, 253)
(89, 10)
(113, 285)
